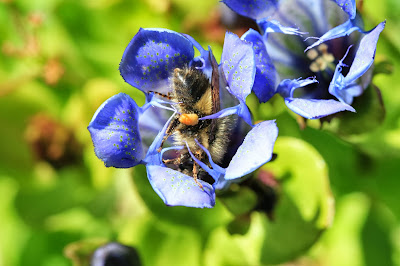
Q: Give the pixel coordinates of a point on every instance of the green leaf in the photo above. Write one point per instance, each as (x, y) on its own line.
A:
(370, 113)
(240, 225)
(305, 208)
(46, 248)
(239, 201)
(341, 245)
(81, 251)
(14, 233)
(346, 165)
(36, 203)
(226, 249)
(376, 236)
(161, 244)
(15, 111)
(303, 211)
(383, 67)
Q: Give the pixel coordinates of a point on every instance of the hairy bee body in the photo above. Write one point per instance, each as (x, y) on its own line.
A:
(193, 94)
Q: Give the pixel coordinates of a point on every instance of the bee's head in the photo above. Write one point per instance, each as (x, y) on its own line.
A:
(189, 84)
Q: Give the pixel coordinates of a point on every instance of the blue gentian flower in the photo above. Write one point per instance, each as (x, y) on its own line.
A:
(125, 134)
(335, 63)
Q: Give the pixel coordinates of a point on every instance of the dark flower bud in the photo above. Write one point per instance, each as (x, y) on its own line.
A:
(52, 141)
(267, 188)
(115, 254)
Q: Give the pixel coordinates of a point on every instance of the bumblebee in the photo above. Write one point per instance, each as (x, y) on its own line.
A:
(195, 96)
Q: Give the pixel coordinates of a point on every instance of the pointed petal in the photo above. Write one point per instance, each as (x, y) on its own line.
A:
(223, 183)
(177, 189)
(344, 88)
(342, 30)
(238, 64)
(255, 150)
(245, 114)
(311, 15)
(265, 80)
(215, 171)
(268, 26)
(354, 90)
(203, 61)
(151, 56)
(115, 132)
(241, 110)
(153, 156)
(347, 94)
(287, 86)
(224, 112)
(151, 121)
(339, 88)
(314, 109)
(365, 54)
(338, 85)
(255, 9)
(348, 6)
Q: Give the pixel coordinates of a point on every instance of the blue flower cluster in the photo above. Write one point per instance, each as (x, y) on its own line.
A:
(120, 127)
(195, 133)
(334, 69)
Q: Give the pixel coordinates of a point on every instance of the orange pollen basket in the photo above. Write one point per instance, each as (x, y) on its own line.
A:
(189, 119)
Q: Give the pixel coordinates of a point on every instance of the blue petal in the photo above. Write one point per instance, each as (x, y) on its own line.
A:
(224, 112)
(115, 132)
(338, 85)
(365, 54)
(177, 189)
(255, 9)
(238, 65)
(265, 80)
(341, 90)
(245, 114)
(345, 88)
(255, 150)
(346, 93)
(150, 123)
(287, 86)
(304, 12)
(153, 156)
(241, 110)
(202, 62)
(348, 6)
(268, 26)
(215, 171)
(314, 109)
(342, 30)
(151, 56)
(223, 183)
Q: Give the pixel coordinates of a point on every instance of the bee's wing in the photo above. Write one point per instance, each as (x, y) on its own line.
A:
(216, 105)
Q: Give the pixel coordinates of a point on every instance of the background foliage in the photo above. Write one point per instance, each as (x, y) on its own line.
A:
(59, 61)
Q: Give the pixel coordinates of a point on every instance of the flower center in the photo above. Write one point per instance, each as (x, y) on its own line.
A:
(320, 57)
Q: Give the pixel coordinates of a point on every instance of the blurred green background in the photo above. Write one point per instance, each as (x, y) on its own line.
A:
(338, 200)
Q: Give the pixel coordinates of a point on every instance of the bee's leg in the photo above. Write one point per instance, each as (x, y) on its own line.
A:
(178, 161)
(175, 161)
(167, 96)
(195, 172)
(199, 155)
(172, 125)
